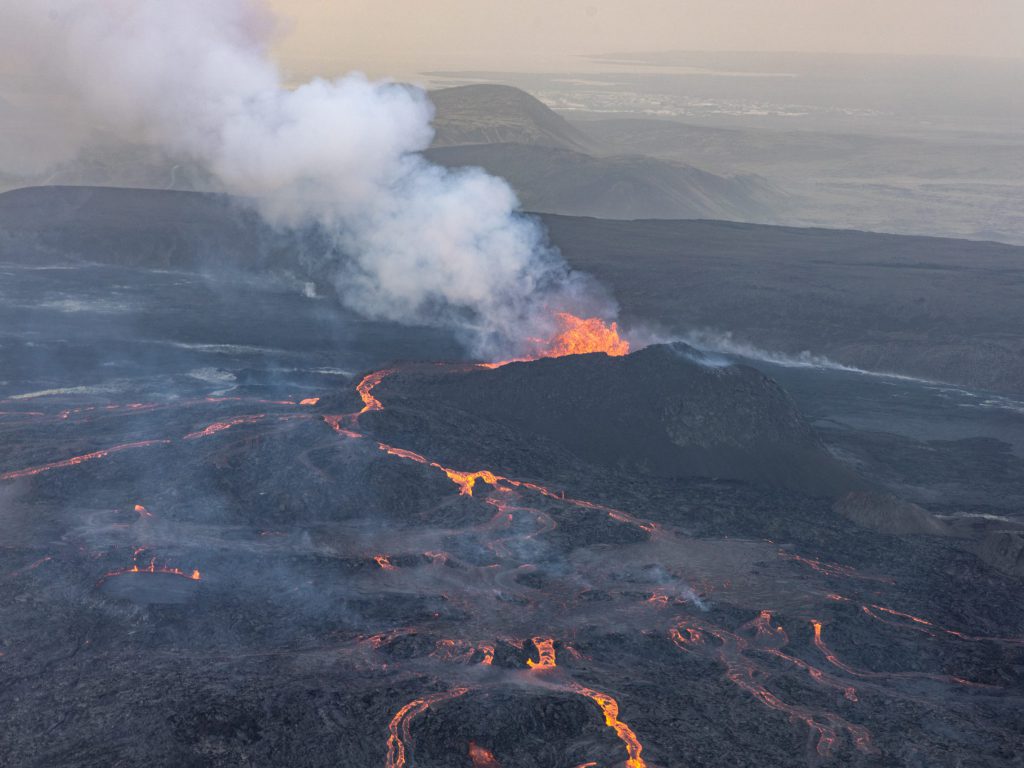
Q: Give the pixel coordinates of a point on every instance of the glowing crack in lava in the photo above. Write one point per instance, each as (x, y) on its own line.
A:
(835, 661)
(74, 460)
(467, 480)
(30, 567)
(832, 569)
(575, 336)
(481, 756)
(729, 649)
(399, 728)
(609, 706)
(922, 625)
(152, 567)
(220, 426)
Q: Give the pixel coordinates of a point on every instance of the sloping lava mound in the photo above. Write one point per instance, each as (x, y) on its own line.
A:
(662, 411)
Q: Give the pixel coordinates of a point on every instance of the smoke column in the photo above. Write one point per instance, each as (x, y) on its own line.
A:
(421, 244)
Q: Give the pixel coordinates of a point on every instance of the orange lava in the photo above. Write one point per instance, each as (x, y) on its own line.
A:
(832, 569)
(488, 652)
(481, 756)
(30, 567)
(819, 643)
(143, 512)
(75, 460)
(453, 650)
(922, 625)
(576, 336)
(195, 575)
(610, 708)
(399, 727)
(310, 401)
(365, 390)
(769, 639)
(383, 562)
(220, 426)
(729, 650)
(466, 481)
(335, 423)
(545, 654)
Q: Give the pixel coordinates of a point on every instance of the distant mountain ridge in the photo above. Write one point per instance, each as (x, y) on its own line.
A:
(501, 114)
(553, 180)
(556, 167)
(553, 166)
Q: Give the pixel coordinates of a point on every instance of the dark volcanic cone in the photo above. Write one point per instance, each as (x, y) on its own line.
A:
(661, 411)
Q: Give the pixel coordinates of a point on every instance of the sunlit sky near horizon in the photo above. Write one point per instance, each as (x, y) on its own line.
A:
(398, 37)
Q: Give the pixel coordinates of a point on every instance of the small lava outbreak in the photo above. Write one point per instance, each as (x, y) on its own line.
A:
(576, 336)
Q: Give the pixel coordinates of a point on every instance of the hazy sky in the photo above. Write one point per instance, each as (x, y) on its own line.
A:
(376, 34)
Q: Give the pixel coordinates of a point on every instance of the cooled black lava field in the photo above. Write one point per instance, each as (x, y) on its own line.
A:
(244, 529)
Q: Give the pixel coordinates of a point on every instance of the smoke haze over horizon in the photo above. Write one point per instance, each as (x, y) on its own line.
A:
(421, 244)
(387, 36)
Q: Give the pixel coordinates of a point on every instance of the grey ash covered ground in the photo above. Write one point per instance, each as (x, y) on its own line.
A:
(340, 583)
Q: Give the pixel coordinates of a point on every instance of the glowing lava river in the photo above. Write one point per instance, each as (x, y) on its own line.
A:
(315, 569)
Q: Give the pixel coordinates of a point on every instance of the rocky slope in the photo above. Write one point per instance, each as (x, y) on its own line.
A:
(660, 411)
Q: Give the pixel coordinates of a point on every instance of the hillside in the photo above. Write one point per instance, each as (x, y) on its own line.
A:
(625, 187)
(558, 168)
(500, 114)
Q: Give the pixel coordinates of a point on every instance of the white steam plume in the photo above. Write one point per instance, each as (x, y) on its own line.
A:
(422, 244)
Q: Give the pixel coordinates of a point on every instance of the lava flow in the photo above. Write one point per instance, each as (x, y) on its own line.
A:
(399, 727)
(365, 390)
(835, 661)
(832, 569)
(220, 426)
(152, 567)
(466, 481)
(609, 706)
(545, 654)
(30, 567)
(74, 460)
(742, 672)
(922, 625)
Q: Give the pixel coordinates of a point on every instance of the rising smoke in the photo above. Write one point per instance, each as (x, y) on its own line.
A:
(420, 244)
